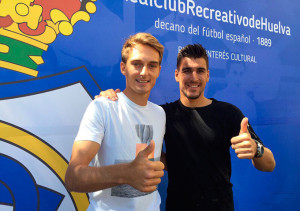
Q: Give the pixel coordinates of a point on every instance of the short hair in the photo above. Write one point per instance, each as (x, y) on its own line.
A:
(194, 51)
(144, 39)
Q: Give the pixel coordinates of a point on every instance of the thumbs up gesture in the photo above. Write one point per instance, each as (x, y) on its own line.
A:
(145, 174)
(243, 144)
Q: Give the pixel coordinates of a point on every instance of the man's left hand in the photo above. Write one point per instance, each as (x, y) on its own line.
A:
(244, 146)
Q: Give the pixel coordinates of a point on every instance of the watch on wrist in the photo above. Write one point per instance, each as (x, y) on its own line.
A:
(259, 149)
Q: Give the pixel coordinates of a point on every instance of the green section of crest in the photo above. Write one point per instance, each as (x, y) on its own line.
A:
(19, 52)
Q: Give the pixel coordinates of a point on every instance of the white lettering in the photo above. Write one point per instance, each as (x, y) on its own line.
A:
(190, 7)
(181, 4)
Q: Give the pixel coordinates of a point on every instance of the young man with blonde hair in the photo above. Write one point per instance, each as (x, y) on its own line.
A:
(116, 153)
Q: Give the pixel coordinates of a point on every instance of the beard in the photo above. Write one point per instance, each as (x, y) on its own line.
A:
(191, 96)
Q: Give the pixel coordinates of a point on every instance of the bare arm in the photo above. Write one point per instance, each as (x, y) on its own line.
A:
(141, 173)
(245, 148)
(266, 162)
(82, 178)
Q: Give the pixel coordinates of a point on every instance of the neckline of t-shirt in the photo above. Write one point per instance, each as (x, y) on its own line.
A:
(130, 102)
(197, 108)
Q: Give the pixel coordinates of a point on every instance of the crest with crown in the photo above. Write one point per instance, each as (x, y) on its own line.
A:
(27, 27)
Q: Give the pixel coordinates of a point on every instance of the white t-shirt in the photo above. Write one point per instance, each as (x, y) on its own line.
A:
(120, 127)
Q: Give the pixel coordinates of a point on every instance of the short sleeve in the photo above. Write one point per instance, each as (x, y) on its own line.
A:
(92, 124)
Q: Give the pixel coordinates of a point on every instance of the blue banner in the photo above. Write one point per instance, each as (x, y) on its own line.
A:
(56, 55)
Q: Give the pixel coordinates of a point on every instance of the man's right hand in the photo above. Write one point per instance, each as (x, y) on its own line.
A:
(145, 174)
(109, 94)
